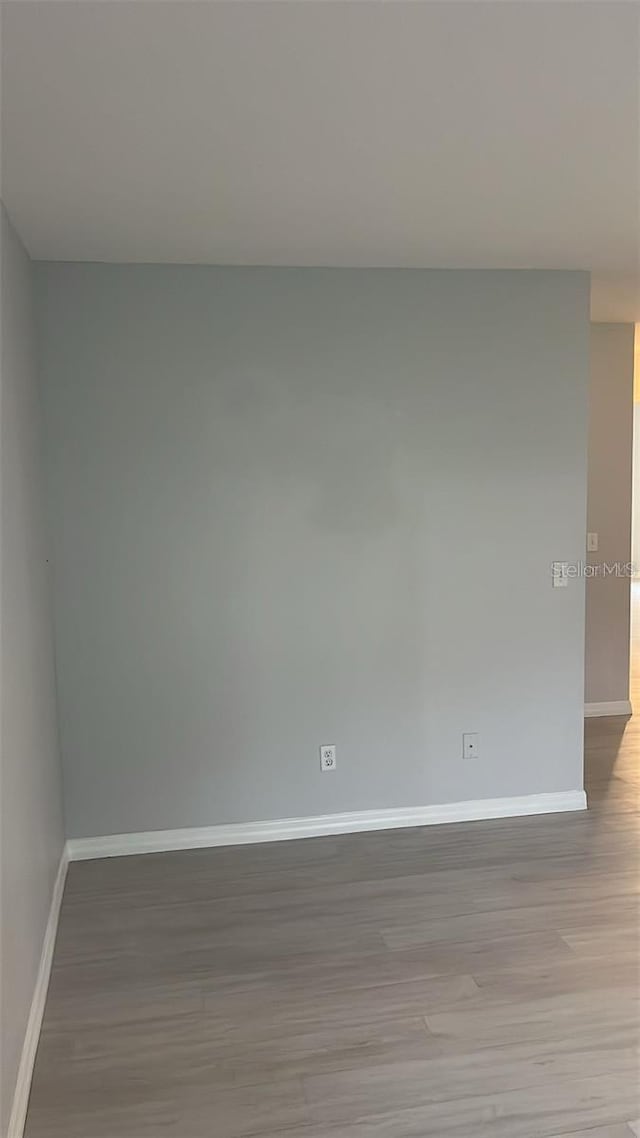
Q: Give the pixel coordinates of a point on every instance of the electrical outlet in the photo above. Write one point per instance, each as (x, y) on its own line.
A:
(328, 757)
(470, 745)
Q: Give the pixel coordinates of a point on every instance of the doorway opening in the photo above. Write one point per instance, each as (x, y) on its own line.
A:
(634, 654)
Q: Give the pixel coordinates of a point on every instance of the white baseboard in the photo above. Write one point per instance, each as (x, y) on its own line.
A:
(617, 707)
(241, 833)
(32, 1034)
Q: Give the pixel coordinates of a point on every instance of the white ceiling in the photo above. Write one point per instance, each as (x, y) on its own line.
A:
(313, 133)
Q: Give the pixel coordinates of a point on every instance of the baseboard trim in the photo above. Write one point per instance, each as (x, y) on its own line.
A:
(20, 1103)
(242, 833)
(617, 707)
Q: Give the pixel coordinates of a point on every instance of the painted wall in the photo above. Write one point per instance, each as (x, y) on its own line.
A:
(609, 511)
(32, 831)
(302, 506)
(635, 516)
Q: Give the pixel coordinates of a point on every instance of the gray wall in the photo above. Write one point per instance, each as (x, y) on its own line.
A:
(31, 822)
(609, 510)
(635, 520)
(303, 506)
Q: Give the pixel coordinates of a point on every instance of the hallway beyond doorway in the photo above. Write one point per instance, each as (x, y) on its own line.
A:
(634, 687)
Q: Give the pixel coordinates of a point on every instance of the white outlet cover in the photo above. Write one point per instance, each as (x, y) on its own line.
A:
(328, 757)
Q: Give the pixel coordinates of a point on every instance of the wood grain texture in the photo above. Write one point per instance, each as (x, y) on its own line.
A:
(603, 1132)
(467, 981)
(615, 1131)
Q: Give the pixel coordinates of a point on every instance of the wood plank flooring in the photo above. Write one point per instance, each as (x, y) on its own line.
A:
(456, 981)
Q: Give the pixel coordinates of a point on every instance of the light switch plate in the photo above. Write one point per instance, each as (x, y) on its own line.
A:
(560, 576)
(470, 745)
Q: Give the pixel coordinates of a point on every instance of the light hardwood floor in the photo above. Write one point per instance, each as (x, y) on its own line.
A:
(459, 981)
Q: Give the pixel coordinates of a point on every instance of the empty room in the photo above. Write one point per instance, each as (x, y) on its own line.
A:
(319, 763)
